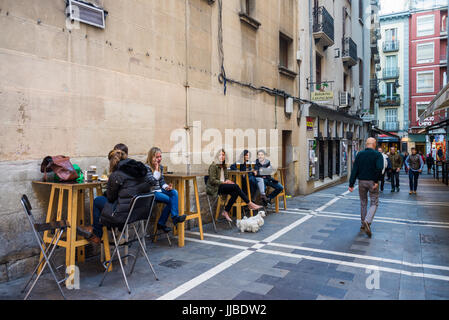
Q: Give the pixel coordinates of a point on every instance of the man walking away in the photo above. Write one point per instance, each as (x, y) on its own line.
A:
(430, 162)
(382, 179)
(415, 164)
(396, 164)
(368, 166)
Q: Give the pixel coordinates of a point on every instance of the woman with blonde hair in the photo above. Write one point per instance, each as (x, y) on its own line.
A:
(163, 192)
(219, 184)
(127, 179)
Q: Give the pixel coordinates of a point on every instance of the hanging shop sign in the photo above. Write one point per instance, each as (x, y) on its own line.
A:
(322, 96)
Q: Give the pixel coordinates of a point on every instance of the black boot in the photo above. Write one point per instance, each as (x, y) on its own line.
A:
(179, 219)
(164, 228)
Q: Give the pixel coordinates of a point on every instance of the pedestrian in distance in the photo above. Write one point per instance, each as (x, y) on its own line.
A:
(386, 167)
(368, 167)
(415, 164)
(430, 162)
(396, 164)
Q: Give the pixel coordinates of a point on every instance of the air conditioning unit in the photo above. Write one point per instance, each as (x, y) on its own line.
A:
(345, 99)
(86, 13)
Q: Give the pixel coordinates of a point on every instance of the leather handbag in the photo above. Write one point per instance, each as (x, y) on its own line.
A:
(61, 166)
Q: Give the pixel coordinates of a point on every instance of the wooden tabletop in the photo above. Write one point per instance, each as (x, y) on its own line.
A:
(72, 183)
(184, 175)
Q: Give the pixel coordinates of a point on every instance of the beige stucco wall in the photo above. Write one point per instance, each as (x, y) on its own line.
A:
(79, 92)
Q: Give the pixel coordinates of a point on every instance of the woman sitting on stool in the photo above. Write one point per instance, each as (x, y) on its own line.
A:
(266, 180)
(219, 184)
(163, 192)
(245, 165)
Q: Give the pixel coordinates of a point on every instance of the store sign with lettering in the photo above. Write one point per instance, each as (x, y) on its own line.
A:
(427, 122)
(322, 96)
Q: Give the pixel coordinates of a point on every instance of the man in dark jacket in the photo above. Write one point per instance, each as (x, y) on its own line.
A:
(415, 164)
(368, 166)
(396, 164)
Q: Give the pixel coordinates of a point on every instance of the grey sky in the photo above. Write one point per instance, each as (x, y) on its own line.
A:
(389, 6)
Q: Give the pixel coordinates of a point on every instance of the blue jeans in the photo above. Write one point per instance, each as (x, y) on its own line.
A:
(277, 188)
(170, 198)
(99, 203)
(413, 179)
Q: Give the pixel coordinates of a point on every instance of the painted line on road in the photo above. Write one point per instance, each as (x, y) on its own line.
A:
(330, 252)
(348, 216)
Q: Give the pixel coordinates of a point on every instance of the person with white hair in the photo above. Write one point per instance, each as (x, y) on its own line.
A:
(368, 166)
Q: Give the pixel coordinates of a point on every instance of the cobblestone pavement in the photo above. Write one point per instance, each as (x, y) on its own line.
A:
(313, 250)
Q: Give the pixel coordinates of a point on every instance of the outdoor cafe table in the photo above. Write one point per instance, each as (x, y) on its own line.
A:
(239, 203)
(181, 182)
(75, 215)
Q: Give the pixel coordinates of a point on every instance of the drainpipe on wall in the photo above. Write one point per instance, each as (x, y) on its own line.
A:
(311, 42)
(186, 84)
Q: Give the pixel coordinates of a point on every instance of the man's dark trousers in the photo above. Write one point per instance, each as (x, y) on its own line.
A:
(394, 179)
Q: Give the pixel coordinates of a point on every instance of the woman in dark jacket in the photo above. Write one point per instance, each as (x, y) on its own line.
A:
(128, 178)
(219, 184)
(245, 165)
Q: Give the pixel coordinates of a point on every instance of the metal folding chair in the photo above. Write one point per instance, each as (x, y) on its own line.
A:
(214, 201)
(144, 201)
(58, 227)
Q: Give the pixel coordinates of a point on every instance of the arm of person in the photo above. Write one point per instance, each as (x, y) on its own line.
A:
(214, 176)
(354, 174)
(422, 164)
(407, 163)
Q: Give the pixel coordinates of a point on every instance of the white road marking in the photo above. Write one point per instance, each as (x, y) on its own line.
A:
(349, 216)
(330, 252)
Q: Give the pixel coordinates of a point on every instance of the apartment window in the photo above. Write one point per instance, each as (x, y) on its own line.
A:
(391, 115)
(391, 89)
(284, 50)
(420, 108)
(425, 25)
(318, 68)
(391, 34)
(248, 7)
(425, 52)
(391, 62)
(424, 81)
(443, 24)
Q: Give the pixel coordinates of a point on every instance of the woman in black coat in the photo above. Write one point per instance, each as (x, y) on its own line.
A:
(128, 178)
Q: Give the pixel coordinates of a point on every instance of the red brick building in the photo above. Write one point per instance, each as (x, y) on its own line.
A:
(428, 68)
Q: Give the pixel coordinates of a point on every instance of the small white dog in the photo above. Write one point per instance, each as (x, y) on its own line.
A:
(252, 224)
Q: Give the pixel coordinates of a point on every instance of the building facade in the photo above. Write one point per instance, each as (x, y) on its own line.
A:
(393, 105)
(170, 73)
(428, 69)
(337, 87)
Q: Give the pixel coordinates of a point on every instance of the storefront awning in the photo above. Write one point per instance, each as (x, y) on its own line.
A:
(385, 134)
(440, 102)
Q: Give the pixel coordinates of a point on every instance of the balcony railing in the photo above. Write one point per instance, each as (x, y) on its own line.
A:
(349, 55)
(390, 125)
(389, 101)
(390, 73)
(323, 26)
(390, 46)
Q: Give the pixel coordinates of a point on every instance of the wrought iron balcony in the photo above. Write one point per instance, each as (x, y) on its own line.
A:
(391, 46)
(349, 55)
(389, 101)
(390, 73)
(390, 125)
(323, 26)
